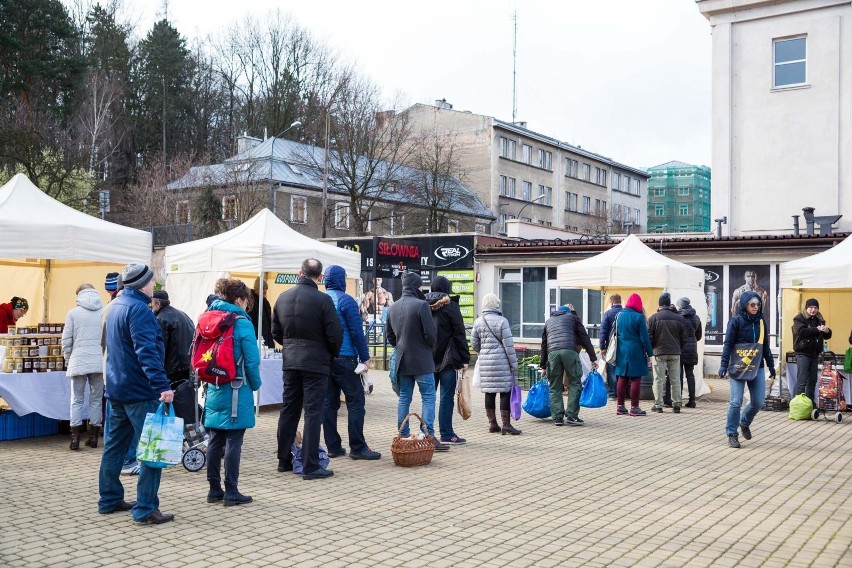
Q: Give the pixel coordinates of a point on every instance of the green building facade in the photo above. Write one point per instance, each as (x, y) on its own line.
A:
(679, 198)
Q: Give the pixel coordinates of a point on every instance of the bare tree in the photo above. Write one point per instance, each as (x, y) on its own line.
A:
(97, 117)
(598, 223)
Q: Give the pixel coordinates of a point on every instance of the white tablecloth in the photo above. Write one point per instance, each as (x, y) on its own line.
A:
(49, 394)
(272, 387)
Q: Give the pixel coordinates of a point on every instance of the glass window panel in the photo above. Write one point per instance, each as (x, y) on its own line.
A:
(510, 304)
(534, 295)
(534, 330)
(593, 314)
(790, 49)
(573, 296)
(789, 74)
(513, 274)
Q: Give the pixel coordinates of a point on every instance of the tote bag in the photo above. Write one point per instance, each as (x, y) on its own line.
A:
(746, 358)
(161, 442)
(463, 404)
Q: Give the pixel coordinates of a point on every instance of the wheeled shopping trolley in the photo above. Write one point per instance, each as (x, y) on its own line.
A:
(830, 400)
(194, 434)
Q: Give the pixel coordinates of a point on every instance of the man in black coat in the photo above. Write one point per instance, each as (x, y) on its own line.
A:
(668, 334)
(607, 325)
(412, 332)
(254, 313)
(305, 323)
(178, 333)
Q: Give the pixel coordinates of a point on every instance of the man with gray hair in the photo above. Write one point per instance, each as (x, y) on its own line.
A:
(135, 382)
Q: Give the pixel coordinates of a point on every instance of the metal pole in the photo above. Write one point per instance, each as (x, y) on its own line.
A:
(325, 179)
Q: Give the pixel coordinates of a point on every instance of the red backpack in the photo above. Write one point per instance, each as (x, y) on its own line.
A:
(213, 347)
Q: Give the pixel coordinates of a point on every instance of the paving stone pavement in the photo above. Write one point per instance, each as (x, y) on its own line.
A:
(663, 490)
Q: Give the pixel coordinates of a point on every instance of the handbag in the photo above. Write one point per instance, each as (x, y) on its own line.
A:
(477, 376)
(161, 442)
(538, 400)
(612, 346)
(463, 404)
(594, 391)
(746, 358)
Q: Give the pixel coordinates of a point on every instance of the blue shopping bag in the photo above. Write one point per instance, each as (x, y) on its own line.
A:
(594, 391)
(297, 458)
(538, 400)
(161, 442)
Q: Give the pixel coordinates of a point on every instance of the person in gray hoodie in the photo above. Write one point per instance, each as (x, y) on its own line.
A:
(81, 348)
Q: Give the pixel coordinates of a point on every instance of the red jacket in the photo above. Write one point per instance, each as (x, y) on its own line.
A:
(7, 317)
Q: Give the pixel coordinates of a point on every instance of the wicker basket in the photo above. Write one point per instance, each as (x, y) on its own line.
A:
(409, 452)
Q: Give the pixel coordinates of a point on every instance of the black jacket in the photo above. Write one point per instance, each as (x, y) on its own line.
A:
(607, 325)
(564, 330)
(305, 323)
(449, 326)
(266, 334)
(411, 331)
(694, 333)
(178, 333)
(667, 331)
(807, 339)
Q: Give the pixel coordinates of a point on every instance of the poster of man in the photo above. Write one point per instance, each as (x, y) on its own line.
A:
(754, 278)
(377, 299)
(714, 327)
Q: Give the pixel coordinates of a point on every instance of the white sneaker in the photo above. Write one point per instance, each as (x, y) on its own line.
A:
(130, 469)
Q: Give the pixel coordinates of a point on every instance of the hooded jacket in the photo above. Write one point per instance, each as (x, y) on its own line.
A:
(135, 350)
(564, 330)
(178, 334)
(667, 331)
(498, 362)
(745, 328)
(81, 338)
(305, 323)
(449, 326)
(7, 317)
(689, 355)
(411, 330)
(354, 343)
(807, 339)
(633, 343)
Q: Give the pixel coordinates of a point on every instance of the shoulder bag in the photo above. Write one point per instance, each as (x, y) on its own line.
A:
(746, 358)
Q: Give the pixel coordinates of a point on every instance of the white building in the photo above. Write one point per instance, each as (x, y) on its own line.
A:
(782, 111)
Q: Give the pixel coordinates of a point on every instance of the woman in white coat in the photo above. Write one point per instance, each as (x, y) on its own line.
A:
(81, 347)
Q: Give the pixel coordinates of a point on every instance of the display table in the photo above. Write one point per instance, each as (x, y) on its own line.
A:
(272, 387)
(48, 394)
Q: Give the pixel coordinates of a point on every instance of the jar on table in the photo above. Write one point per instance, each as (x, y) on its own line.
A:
(28, 365)
(19, 365)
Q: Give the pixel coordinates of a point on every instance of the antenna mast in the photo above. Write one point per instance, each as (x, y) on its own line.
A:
(514, 66)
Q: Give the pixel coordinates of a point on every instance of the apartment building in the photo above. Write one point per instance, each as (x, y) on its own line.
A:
(679, 198)
(522, 174)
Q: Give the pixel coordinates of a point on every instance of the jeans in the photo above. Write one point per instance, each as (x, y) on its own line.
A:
(611, 381)
(445, 382)
(123, 426)
(130, 456)
(807, 371)
(565, 361)
(666, 364)
(302, 389)
(426, 386)
(757, 390)
(343, 378)
(78, 394)
(231, 441)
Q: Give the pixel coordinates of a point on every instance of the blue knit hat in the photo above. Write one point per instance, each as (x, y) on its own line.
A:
(111, 282)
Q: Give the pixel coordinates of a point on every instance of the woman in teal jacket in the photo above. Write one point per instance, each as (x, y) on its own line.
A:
(226, 433)
(632, 354)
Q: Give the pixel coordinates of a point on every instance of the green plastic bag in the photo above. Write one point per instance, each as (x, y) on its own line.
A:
(801, 407)
(847, 361)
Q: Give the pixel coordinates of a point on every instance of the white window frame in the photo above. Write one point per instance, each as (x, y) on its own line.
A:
(616, 180)
(452, 225)
(572, 201)
(504, 146)
(503, 185)
(180, 220)
(341, 216)
(776, 63)
(683, 209)
(229, 201)
(637, 214)
(636, 186)
(293, 200)
(683, 191)
(587, 205)
(587, 172)
(526, 154)
(659, 192)
(510, 190)
(526, 190)
(659, 210)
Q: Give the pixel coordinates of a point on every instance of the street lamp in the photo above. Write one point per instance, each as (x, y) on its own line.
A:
(542, 196)
(273, 195)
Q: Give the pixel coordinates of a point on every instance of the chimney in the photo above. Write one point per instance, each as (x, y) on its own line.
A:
(521, 123)
(246, 143)
(808, 214)
(795, 225)
(442, 103)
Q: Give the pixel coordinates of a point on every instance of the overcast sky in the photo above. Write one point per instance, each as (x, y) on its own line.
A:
(629, 79)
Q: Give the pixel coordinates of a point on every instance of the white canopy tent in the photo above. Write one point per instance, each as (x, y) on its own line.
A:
(829, 269)
(47, 249)
(264, 243)
(631, 266)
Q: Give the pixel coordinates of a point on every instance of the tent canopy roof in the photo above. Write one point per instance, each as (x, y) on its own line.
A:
(261, 244)
(630, 264)
(34, 225)
(829, 269)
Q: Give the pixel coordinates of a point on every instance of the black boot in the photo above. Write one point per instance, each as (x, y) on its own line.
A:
(507, 424)
(92, 442)
(75, 438)
(492, 420)
(215, 495)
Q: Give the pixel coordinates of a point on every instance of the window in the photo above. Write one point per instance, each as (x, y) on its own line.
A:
(790, 58)
(587, 172)
(503, 185)
(504, 147)
(526, 192)
(616, 180)
(683, 228)
(571, 167)
(572, 201)
(636, 186)
(626, 186)
(683, 191)
(548, 192)
(526, 154)
(659, 192)
(298, 209)
(341, 216)
(397, 223)
(587, 205)
(182, 212)
(452, 226)
(603, 207)
(545, 159)
(229, 207)
(600, 176)
(511, 151)
(503, 219)
(683, 209)
(637, 216)
(659, 210)
(480, 228)
(510, 188)
(616, 212)
(522, 292)
(367, 216)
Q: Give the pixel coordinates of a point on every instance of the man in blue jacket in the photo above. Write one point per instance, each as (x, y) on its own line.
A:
(135, 382)
(353, 350)
(607, 325)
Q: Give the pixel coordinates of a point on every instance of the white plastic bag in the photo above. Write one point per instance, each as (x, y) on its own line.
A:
(477, 380)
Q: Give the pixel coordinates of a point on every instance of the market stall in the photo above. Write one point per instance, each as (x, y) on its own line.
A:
(631, 267)
(826, 276)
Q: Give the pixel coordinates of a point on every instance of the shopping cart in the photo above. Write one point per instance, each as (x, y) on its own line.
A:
(194, 434)
(830, 399)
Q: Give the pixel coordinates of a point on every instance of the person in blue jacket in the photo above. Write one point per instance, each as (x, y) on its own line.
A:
(226, 433)
(747, 327)
(632, 354)
(343, 378)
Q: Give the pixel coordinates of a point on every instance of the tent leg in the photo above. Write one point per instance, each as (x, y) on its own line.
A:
(46, 309)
